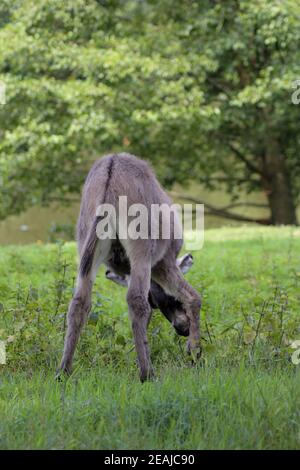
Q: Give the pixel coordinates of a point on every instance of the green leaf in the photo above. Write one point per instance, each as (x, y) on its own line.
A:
(121, 340)
(249, 336)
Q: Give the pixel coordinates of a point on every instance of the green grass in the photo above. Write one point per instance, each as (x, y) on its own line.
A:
(243, 394)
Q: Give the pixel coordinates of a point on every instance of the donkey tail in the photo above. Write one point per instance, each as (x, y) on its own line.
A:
(89, 249)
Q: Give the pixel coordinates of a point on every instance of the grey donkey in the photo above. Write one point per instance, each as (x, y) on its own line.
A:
(144, 260)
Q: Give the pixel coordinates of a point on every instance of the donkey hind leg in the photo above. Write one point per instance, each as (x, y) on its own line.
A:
(169, 277)
(80, 306)
(140, 312)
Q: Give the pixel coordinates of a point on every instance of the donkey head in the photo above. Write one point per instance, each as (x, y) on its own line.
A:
(171, 308)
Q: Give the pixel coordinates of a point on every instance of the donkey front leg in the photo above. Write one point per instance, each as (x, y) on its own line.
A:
(140, 314)
(170, 278)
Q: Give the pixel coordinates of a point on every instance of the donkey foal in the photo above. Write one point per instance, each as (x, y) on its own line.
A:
(149, 264)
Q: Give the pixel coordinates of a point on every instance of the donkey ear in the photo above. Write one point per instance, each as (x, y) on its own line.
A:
(121, 280)
(185, 263)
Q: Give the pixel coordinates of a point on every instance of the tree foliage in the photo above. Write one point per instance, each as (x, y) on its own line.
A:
(202, 89)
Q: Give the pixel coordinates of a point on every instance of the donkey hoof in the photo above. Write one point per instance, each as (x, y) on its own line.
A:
(62, 374)
(147, 376)
(195, 351)
(59, 376)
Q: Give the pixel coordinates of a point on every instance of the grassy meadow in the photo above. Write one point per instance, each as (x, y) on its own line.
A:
(243, 393)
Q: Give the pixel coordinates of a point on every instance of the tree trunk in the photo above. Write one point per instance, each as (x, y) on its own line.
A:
(277, 184)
